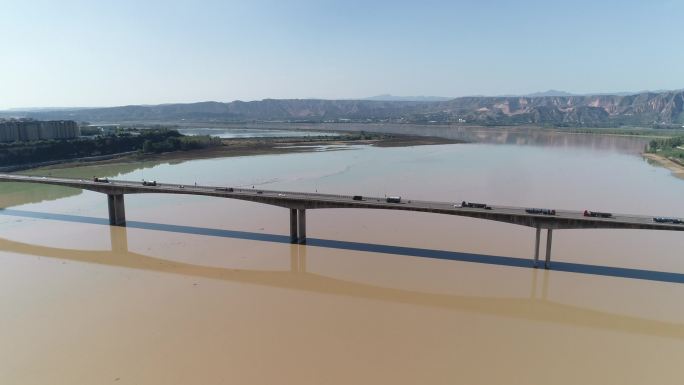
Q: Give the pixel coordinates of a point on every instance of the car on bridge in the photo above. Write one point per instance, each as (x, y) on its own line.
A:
(541, 211)
(675, 221)
(597, 214)
(100, 180)
(393, 199)
(149, 182)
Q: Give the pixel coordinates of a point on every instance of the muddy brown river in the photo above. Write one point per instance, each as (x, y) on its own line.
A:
(200, 290)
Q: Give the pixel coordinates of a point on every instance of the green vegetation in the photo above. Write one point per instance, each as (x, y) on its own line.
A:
(146, 141)
(178, 142)
(90, 131)
(628, 131)
(671, 148)
(364, 135)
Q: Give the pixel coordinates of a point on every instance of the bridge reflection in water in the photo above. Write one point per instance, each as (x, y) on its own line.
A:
(536, 307)
(607, 271)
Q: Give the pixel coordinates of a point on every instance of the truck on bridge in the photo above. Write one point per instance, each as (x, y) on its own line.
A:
(541, 211)
(598, 214)
(675, 221)
(473, 205)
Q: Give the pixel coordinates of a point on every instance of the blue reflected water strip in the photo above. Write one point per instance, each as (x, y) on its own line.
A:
(580, 268)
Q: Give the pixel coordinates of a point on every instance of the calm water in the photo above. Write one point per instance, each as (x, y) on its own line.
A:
(512, 135)
(252, 133)
(202, 290)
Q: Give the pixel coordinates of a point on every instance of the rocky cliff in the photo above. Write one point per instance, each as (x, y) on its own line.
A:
(586, 110)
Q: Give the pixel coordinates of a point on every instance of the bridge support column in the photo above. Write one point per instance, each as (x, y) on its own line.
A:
(117, 212)
(536, 247)
(301, 224)
(293, 225)
(549, 237)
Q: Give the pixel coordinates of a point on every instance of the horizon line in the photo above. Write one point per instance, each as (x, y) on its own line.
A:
(406, 98)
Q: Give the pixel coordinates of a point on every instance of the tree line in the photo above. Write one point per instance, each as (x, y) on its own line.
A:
(670, 147)
(145, 141)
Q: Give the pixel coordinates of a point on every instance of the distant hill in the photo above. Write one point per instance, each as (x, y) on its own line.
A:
(562, 110)
(549, 93)
(389, 98)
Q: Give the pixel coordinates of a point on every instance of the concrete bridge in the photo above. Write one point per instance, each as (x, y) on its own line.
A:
(298, 202)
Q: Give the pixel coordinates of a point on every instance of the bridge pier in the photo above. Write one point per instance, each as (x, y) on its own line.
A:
(301, 224)
(536, 247)
(549, 237)
(117, 212)
(293, 225)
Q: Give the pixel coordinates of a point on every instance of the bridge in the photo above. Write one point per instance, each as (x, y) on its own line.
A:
(298, 202)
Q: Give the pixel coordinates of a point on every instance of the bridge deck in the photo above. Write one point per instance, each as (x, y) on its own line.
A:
(564, 219)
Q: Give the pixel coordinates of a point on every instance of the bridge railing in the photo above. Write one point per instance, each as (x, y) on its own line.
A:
(245, 190)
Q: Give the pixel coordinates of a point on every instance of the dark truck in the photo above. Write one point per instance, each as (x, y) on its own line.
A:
(597, 214)
(541, 211)
(393, 199)
(675, 221)
(473, 205)
(149, 182)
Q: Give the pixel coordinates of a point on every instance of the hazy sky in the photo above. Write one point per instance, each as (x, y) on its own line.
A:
(101, 53)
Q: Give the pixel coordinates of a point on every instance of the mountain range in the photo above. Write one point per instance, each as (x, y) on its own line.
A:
(645, 108)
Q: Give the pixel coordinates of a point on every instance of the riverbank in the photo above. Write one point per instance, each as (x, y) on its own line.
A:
(256, 146)
(421, 129)
(675, 166)
(89, 159)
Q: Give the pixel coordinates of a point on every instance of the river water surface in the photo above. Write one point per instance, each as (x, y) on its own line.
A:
(234, 133)
(208, 291)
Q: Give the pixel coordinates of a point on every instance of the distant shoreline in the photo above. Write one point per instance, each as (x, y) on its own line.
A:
(247, 147)
(675, 167)
(89, 159)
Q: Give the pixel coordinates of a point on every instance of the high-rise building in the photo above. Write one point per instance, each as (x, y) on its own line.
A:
(28, 130)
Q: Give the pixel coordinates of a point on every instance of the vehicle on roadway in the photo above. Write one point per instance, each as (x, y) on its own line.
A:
(149, 182)
(598, 214)
(100, 180)
(473, 205)
(675, 221)
(357, 198)
(541, 211)
(393, 199)
(229, 189)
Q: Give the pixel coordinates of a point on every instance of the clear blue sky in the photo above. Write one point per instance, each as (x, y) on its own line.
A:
(97, 53)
